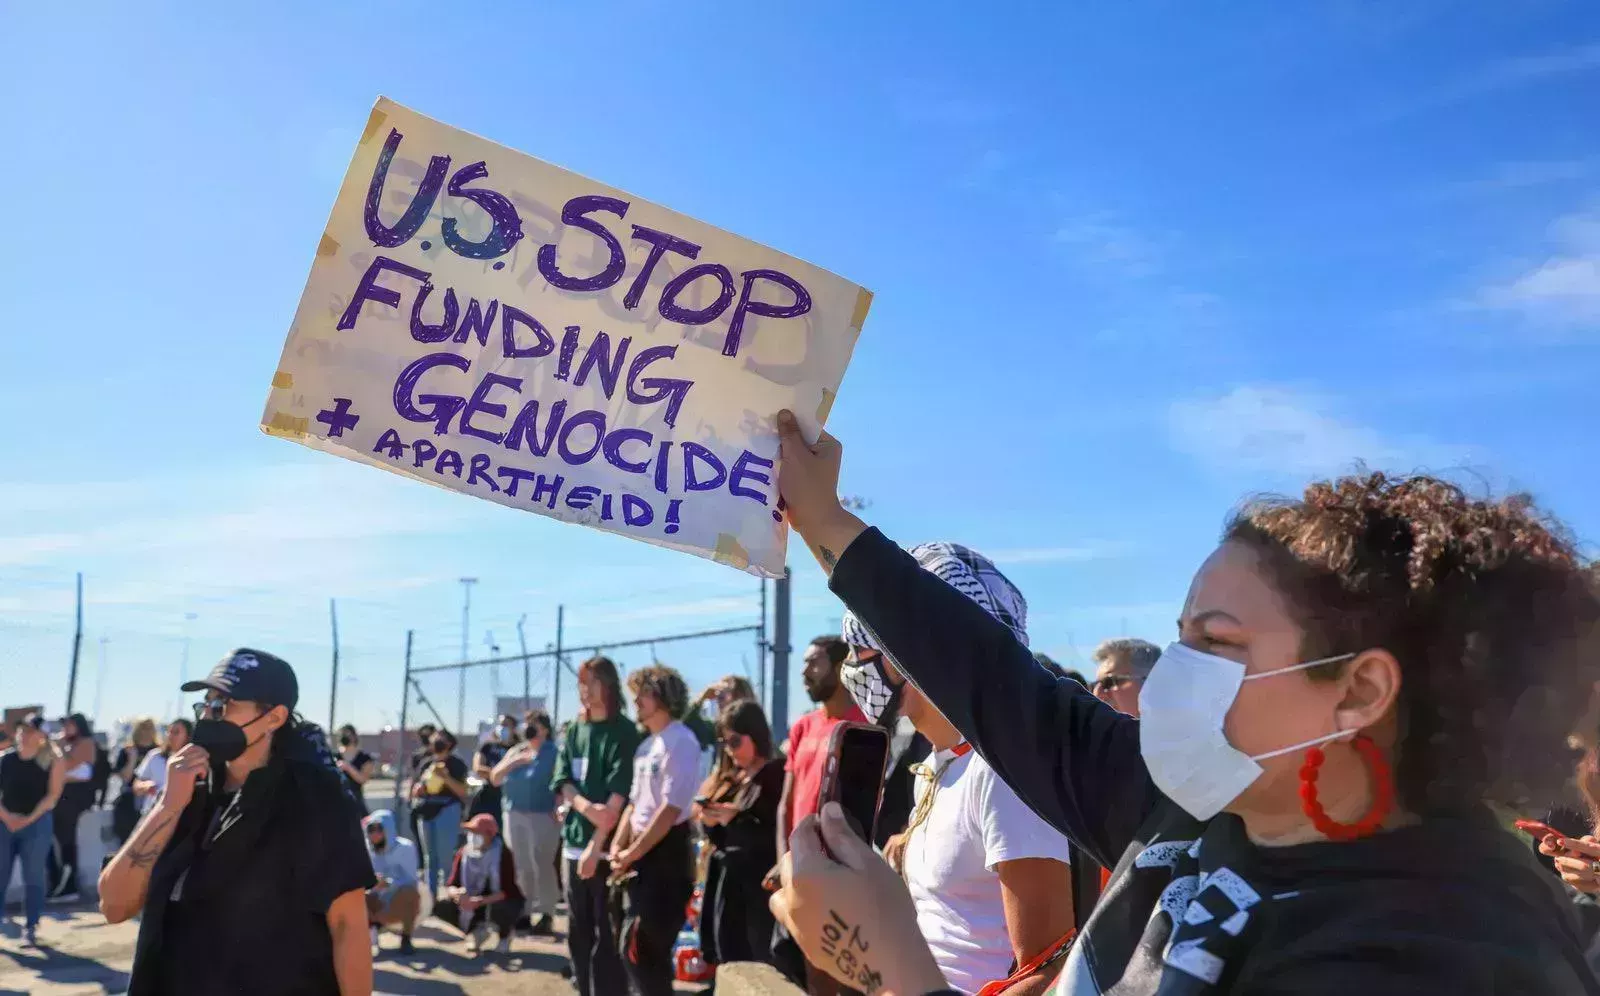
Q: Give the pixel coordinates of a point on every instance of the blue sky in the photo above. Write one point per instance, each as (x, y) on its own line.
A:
(1133, 263)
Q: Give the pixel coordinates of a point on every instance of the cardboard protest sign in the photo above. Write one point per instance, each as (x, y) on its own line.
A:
(492, 324)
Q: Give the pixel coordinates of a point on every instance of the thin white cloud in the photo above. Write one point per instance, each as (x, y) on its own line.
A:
(1524, 175)
(1495, 77)
(1099, 242)
(1056, 554)
(1273, 430)
(1561, 291)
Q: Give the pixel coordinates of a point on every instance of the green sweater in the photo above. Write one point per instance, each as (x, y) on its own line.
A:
(597, 759)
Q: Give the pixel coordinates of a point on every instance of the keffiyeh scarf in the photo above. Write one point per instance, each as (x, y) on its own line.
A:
(968, 572)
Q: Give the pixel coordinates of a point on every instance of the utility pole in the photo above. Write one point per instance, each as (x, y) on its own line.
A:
(522, 641)
(555, 672)
(780, 654)
(77, 646)
(401, 771)
(333, 693)
(461, 688)
(761, 650)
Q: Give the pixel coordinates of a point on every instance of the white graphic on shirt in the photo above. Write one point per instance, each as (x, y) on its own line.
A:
(1190, 958)
(1162, 855)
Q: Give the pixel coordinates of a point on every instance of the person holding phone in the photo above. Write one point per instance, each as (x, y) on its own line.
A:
(1359, 675)
(738, 809)
(991, 880)
(531, 830)
(439, 796)
(652, 838)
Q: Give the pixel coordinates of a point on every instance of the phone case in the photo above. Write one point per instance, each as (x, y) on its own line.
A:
(830, 774)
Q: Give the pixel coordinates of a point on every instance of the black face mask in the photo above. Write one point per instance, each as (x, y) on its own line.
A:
(378, 843)
(346, 741)
(531, 732)
(223, 740)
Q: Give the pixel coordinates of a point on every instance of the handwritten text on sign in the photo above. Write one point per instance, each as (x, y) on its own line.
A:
(492, 324)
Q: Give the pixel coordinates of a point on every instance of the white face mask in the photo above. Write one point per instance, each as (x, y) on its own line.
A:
(477, 841)
(1181, 710)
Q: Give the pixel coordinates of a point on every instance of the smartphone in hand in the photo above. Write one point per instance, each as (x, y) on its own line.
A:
(858, 760)
(1538, 830)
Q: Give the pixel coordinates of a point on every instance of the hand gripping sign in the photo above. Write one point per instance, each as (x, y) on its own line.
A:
(489, 323)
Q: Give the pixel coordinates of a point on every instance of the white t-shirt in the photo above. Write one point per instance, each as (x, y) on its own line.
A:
(976, 823)
(665, 769)
(152, 769)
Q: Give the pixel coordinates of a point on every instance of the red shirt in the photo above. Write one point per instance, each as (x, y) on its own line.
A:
(808, 754)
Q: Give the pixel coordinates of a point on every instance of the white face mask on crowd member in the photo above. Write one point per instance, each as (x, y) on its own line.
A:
(1183, 706)
(477, 841)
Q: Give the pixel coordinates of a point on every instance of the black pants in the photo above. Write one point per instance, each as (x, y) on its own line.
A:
(503, 915)
(76, 799)
(658, 899)
(596, 967)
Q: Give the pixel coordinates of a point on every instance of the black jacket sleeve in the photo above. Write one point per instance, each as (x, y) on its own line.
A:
(1073, 759)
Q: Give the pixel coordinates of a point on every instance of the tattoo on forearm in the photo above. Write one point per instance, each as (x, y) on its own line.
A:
(841, 943)
(826, 556)
(143, 853)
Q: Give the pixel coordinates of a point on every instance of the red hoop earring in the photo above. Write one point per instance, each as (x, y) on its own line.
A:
(1382, 793)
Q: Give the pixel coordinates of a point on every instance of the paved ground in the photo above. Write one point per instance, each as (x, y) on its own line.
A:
(80, 953)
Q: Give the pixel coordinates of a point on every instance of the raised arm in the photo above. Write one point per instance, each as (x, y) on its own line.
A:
(1074, 760)
(126, 879)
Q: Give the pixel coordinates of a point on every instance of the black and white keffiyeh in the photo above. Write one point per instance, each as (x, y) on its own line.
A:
(965, 570)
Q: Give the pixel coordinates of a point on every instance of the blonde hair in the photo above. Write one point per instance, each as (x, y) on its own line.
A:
(147, 723)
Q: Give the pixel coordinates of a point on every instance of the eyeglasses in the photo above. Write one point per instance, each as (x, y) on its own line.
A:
(1112, 682)
(733, 741)
(210, 708)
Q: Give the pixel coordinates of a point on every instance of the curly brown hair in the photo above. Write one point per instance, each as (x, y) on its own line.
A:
(665, 684)
(1487, 605)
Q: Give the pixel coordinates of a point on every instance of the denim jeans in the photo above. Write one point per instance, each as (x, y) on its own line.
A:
(30, 845)
(439, 836)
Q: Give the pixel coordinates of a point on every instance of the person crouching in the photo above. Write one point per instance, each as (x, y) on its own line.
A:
(395, 900)
(482, 887)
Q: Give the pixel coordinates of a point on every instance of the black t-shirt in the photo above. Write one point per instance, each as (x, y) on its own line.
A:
(238, 901)
(436, 797)
(355, 788)
(24, 782)
(487, 798)
(751, 835)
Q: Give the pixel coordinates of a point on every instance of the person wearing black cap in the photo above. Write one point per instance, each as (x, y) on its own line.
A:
(31, 778)
(256, 883)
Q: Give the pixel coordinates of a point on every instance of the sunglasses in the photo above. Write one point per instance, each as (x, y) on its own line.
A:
(733, 741)
(210, 708)
(1112, 682)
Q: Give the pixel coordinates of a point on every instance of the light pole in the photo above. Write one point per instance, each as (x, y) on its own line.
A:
(183, 663)
(461, 687)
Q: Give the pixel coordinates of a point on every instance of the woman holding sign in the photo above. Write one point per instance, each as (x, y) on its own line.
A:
(1305, 804)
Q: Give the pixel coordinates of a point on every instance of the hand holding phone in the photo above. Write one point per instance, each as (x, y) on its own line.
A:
(858, 759)
(1538, 830)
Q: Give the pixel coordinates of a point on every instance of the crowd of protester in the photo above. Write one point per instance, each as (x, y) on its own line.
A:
(1315, 789)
